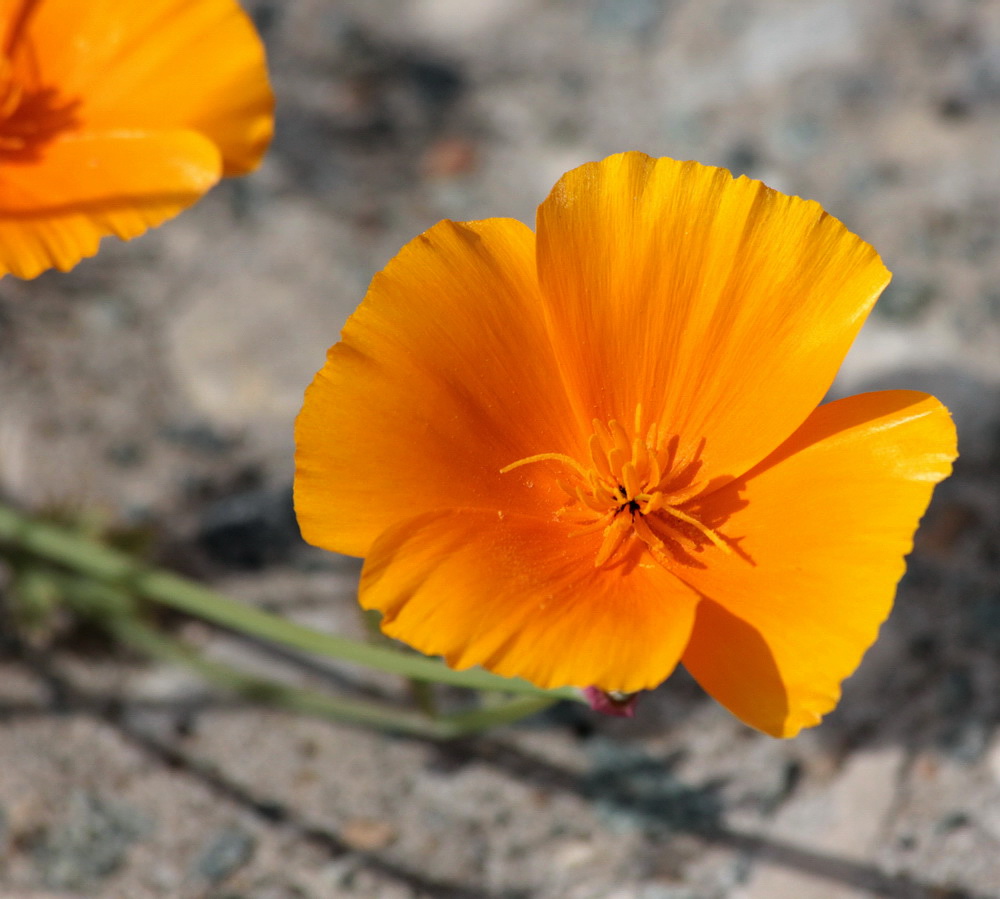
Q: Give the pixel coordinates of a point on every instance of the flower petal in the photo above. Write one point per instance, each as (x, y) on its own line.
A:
(736, 302)
(825, 524)
(522, 597)
(55, 210)
(443, 376)
(13, 15)
(166, 64)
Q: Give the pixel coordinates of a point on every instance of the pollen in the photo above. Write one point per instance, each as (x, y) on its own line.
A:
(631, 487)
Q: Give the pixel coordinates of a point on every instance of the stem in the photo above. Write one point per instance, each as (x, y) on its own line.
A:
(110, 566)
(311, 702)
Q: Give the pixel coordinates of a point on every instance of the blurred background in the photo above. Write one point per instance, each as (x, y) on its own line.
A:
(152, 391)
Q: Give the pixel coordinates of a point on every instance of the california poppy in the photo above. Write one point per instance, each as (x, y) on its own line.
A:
(115, 115)
(582, 455)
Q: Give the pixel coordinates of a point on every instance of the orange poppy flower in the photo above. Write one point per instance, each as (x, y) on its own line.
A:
(115, 115)
(584, 455)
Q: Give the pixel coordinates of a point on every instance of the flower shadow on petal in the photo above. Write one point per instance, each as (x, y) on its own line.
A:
(92, 207)
(714, 514)
(726, 652)
(39, 118)
(685, 543)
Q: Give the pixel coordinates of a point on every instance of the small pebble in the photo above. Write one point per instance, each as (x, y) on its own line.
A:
(230, 850)
(368, 834)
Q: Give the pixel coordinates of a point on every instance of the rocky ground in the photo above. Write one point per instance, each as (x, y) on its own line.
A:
(154, 388)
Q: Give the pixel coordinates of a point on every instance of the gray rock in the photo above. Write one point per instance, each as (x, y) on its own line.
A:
(231, 848)
(250, 529)
(90, 843)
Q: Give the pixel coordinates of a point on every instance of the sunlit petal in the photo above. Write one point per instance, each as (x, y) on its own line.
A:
(443, 377)
(54, 213)
(115, 116)
(523, 598)
(824, 526)
(154, 64)
(723, 306)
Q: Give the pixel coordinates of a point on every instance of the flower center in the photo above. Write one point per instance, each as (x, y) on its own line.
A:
(632, 489)
(29, 119)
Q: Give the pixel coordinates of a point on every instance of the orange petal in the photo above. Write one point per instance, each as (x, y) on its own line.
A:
(154, 64)
(13, 15)
(443, 376)
(825, 524)
(54, 211)
(522, 597)
(722, 306)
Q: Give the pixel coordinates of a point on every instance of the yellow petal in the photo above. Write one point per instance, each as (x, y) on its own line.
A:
(824, 525)
(55, 209)
(443, 377)
(154, 64)
(722, 306)
(522, 597)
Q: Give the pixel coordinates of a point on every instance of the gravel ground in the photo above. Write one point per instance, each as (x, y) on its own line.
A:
(154, 388)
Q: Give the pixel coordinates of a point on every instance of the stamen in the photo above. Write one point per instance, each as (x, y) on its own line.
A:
(603, 435)
(625, 492)
(548, 457)
(604, 494)
(566, 487)
(630, 481)
(645, 533)
(590, 501)
(639, 451)
(707, 531)
(599, 456)
(656, 545)
(655, 475)
(594, 526)
(617, 458)
(614, 537)
(681, 497)
(620, 436)
(654, 502)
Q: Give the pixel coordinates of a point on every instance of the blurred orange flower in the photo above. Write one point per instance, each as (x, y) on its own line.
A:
(583, 456)
(116, 115)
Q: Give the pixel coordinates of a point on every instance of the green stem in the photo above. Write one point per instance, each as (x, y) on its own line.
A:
(311, 702)
(506, 712)
(110, 566)
(115, 611)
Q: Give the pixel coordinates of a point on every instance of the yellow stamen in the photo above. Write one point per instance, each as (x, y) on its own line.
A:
(646, 535)
(630, 480)
(656, 545)
(654, 502)
(591, 528)
(590, 501)
(614, 536)
(639, 451)
(548, 457)
(603, 435)
(566, 487)
(616, 458)
(707, 531)
(627, 481)
(599, 457)
(606, 496)
(655, 474)
(621, 439)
